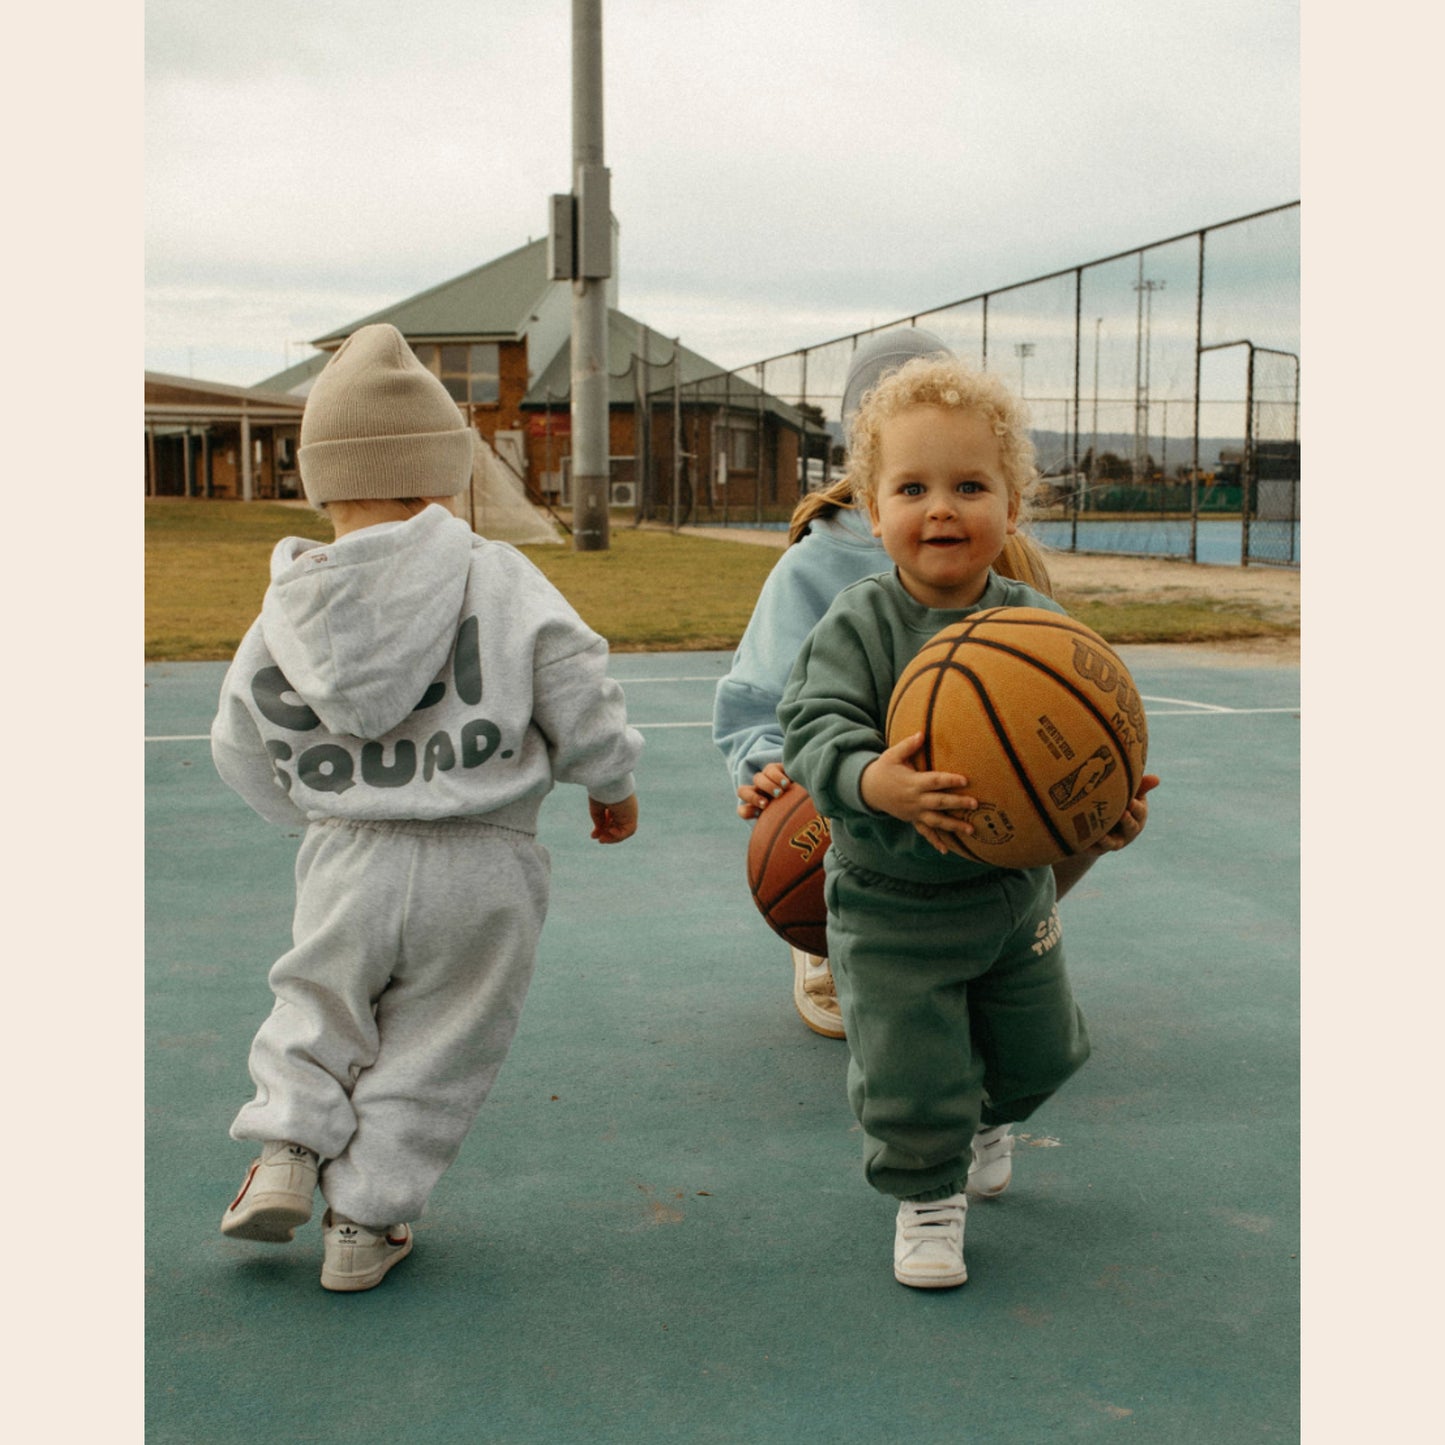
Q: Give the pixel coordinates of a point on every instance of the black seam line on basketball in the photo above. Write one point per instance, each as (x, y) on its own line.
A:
(793, 887)
(1078, 694)
(924, 756)
(793, 804)
(1020, 772)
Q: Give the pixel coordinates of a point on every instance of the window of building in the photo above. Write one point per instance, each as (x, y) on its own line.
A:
(470, 373)
(738, 441)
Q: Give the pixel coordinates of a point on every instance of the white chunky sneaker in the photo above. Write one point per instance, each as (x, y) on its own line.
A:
(358, 1257)
(993, 1164)
(928, 1243)
(275, 1196)
(814, 994)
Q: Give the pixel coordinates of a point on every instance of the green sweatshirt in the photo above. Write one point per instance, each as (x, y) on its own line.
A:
(835, 705)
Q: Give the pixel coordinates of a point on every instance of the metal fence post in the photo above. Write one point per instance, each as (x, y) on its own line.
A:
(676, 430)
(1246, 497)
(1198, 382)
(760, 430)
(1074, 458)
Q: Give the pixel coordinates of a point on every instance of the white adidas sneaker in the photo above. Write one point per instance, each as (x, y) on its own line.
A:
(357, 1257)
(275, 1196)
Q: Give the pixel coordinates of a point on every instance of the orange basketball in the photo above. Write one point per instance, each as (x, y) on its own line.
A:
(1040, 715)
(785, 870)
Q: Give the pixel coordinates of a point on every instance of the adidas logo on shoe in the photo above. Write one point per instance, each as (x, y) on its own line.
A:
(358, 1258)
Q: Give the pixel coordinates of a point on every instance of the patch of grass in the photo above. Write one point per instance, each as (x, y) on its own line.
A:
(653, 591)
(207, 566)
(1192, 620)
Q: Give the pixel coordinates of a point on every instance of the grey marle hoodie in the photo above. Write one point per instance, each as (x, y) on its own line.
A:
(416, 670)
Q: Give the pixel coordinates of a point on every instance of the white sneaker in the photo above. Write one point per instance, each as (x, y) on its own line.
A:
(814, 994)
(358, 1257)
(275, 1196)
(928, 1243)
(993, 1165)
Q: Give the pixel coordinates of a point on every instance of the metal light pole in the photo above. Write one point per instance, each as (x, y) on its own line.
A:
(592, 265)
(1146, 290)
(1023, 350)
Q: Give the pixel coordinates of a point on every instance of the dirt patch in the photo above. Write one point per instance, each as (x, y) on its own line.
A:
(1272, 592)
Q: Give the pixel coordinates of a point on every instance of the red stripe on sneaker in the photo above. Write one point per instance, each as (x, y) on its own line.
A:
(250, 1175)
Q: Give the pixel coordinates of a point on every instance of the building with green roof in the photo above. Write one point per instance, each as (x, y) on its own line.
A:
(499, 337)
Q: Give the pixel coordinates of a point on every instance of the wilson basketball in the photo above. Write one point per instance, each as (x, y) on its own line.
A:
(1040, 715)
(785, 870)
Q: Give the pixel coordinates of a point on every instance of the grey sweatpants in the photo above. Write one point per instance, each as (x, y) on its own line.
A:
(414, 944)
(958, 1013)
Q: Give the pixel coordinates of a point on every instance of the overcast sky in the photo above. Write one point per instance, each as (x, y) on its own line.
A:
(783, 173)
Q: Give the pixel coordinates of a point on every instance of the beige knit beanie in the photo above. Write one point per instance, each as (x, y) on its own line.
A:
(378, 424)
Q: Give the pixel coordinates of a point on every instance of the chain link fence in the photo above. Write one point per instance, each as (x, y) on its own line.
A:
(1163, 385)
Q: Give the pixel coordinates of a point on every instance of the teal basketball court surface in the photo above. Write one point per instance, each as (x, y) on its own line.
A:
(658, 1229)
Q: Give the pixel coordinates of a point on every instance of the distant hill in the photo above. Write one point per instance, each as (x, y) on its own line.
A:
(1054, 449)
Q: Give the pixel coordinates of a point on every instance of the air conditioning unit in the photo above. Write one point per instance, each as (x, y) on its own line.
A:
(622, 494)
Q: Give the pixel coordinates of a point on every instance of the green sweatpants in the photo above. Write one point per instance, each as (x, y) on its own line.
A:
(958, 1013)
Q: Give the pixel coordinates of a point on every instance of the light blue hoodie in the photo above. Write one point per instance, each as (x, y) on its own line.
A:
(836, 552)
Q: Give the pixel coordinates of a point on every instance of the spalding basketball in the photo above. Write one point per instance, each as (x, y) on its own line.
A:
(1040, 715)
(785, 870)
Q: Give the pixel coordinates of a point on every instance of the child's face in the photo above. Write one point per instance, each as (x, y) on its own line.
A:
(941, 506)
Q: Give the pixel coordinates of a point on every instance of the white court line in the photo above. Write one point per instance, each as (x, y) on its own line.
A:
(1185, 702)
(1198, 709)
(1225, 711)
(633, 681)
(206, 737)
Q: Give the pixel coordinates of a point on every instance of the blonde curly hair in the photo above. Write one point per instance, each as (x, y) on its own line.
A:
(946, 383)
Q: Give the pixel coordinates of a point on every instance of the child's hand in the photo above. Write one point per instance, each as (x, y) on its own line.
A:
(1128, 828)
(766, 785)
(612, 822)
(933, 802)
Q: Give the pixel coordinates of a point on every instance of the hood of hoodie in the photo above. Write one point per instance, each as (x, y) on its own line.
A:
(362, 626)
(849, 526)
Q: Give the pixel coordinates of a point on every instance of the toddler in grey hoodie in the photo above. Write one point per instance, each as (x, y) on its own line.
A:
(411, 692)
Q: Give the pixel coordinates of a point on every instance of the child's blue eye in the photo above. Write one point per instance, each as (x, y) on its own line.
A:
(970, 486)
(911, 489)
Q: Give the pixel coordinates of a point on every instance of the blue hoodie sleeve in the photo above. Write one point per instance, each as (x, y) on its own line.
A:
(798, 591)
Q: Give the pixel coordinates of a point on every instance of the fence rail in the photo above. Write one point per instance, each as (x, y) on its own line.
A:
(1163, 385)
